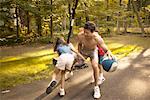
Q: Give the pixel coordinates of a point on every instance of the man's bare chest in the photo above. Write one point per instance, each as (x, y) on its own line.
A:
(89, 42)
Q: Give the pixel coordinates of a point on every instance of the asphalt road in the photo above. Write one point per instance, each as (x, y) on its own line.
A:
(131, 81)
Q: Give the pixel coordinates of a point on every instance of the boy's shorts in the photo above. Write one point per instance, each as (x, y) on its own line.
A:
(65, 61)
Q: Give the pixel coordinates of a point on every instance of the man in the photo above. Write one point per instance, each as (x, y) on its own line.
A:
(89, 39)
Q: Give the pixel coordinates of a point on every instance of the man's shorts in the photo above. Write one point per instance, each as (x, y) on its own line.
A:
(92, 53)
(65, 61)
(100, 59)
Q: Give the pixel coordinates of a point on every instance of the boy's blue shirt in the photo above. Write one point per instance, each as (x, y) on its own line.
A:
(64, 49)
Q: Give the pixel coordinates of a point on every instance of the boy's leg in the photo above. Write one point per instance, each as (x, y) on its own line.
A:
(55, 75)
(53, 82)
(62, 91)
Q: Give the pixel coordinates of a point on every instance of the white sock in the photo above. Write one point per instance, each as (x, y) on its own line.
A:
(101, 75)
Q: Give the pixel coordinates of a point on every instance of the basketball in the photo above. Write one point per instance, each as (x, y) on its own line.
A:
(109, 65)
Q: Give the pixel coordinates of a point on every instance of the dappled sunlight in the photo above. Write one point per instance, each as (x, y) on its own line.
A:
(10, 58)
(84, 77)
(135, 54)
(127, 60)
(31, 54)
(124, 65)
(25, 67)
(39, 53)
(145, 73)
(125, 51)
(23, 74)
(137, 88)
(146, 53)
(115, 45)
(138, 65)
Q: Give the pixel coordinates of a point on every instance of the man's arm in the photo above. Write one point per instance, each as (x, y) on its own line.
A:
(101, 43)
(79, 41)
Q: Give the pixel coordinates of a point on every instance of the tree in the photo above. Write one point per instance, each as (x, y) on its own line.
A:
(51, 20)
(6, 19)
(17, 22)
(138, 17)
(72, 13)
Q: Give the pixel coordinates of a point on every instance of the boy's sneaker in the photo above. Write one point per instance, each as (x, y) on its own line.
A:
(61, 92)
(97, 92)
(51, 86)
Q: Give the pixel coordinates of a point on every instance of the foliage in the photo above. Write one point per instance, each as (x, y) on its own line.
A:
(35, 16)
(6, 22)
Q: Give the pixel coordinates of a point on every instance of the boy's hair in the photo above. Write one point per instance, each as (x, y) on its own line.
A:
(58, 42)
(90, 26)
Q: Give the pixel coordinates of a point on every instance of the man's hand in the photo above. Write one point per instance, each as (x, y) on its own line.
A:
(109, 54)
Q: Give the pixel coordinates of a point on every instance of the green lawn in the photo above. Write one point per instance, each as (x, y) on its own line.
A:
(25, 68)
(35, 65)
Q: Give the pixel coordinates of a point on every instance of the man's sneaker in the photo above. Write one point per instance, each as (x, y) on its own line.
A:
(61, 92)
(68, 75)
(97, 92)
(51, 86)
(101, 79)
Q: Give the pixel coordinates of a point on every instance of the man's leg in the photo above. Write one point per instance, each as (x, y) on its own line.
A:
(101, 78)
(95, 67)
(96, 75)
(95, 71)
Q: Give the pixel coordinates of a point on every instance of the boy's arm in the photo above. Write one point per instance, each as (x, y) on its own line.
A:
(74, 50)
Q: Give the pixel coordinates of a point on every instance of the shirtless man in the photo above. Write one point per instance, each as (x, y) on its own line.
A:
(89, 39)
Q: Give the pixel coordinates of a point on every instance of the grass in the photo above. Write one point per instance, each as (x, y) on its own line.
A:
(26, 67)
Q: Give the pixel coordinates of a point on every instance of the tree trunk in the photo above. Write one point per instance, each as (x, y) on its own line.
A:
(64, 23)
(107, 4)
(120, 1)
(139, 4)
(38, 20)
(129, 5)
(28, 23)
(72, 20)
(125, 25)
(87, 18)
(86, 13)
(17, 23)
(51, 22)
(22, 17)
(118, 23)
(39, 27)
(137, 16)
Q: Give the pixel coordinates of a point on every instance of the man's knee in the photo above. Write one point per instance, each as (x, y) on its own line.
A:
(95, 65)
